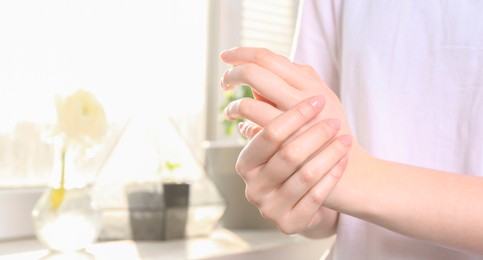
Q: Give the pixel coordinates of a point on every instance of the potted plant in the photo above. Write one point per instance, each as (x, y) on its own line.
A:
(176, 195)
(158, 210)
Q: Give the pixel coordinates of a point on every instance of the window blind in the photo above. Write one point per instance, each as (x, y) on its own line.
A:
(269, 24)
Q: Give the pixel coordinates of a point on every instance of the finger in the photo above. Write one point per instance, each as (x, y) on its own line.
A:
(328, 185)
(248, 129)
(277, 64)
(272, 136)
(293, 154)
(308, 69)
(257, 96)
(259, 112)
(313, 190)
(295, 218)
(263, 82)
(295, 188)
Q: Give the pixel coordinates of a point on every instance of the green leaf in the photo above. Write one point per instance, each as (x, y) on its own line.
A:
(244, 91)
(247, 91)
(171, 166)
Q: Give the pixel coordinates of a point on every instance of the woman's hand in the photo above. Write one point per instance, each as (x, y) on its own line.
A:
(295, 159)
(288, 177)
(279, 82)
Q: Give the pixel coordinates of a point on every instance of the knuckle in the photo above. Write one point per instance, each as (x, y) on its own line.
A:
(251, 196)
(300, 112)
(267, 213)
(341, 148)
(337, 151)
(288, 227)
(308, 176)
(241, 169)
(312, 73)
(264, 213)
(316, 198)
(307, 68)
(290, 155)
(263, 56)
(336, 173)
(310, 70)
(325, 130)
(303, 112)
(248, 71)
(272, 134)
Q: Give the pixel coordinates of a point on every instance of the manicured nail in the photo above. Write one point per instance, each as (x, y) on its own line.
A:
(346, 140)
(334, 123)
(317, 101)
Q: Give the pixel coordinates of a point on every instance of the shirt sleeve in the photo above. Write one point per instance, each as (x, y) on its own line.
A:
(317, 39)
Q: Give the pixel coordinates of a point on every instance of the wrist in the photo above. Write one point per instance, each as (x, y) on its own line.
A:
(352, 193)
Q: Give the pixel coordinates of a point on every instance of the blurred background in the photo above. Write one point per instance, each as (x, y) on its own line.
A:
(154, 66)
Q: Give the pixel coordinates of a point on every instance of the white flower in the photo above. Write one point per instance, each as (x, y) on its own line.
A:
(81, 118)
(82, 122)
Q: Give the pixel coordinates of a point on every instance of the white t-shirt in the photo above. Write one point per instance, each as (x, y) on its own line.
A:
(410, 76)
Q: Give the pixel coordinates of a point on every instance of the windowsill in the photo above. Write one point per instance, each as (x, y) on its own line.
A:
(222, 244)
(17, 204)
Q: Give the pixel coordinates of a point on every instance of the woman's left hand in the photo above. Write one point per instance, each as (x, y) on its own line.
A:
(277, 81)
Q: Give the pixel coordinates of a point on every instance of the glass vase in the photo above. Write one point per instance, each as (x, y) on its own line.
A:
(72, 226)
(65, 217)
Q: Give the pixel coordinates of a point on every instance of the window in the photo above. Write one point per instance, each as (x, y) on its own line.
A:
(256, 23)
(140, 58)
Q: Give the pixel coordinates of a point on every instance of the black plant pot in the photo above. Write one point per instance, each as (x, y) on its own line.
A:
(159, 215)
(176, 198)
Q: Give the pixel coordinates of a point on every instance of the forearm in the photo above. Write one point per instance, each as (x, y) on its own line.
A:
(326, 228)
(436, 206)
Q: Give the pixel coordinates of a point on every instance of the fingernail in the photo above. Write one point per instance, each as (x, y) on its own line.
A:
(231, 110)
(223, 54)
(225, 112)
(225, 75)
(317, 101)
(334, 123)
(346, 140)
(225, 86)
(344, 160)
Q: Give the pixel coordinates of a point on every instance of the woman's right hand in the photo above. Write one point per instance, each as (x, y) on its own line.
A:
(289, 169)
